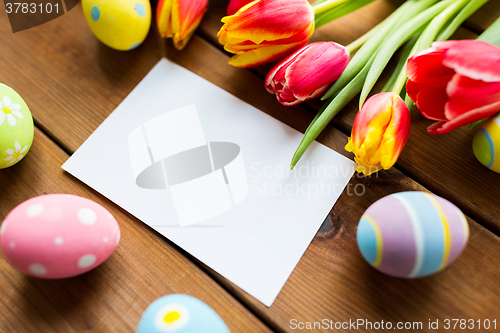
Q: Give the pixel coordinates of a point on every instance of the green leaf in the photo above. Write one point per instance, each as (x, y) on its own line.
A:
(406, 11)
(492, 34)
(405, 54)
(464, 14)
(394, 41)
(339, 11)
(323, 118)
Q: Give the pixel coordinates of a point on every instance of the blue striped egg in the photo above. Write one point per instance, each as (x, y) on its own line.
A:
(180, 314)
(486, 143)
(412, 234)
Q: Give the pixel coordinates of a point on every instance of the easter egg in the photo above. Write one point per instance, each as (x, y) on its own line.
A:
(181, 314)
(120, 24)
(58, 235)
(412, 234)
(486, 143)
(16, 127)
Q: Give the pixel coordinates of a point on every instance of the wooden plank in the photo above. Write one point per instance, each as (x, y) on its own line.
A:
(451, 171)
(485, 16)
(332, 280)
(112, 297)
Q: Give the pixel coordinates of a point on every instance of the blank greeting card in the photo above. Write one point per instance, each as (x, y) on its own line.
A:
(211, 173)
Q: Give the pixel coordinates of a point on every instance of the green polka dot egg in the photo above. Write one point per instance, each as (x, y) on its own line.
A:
(120, 24)
(486, 143)
(16, 127)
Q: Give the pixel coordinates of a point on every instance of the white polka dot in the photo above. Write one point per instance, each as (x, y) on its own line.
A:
(87, 216)
(105, 239)
(86, 261)
(58, 240)
(118, 238)
(12, 245)
(38, 269)
(2, 228)
(35, 210)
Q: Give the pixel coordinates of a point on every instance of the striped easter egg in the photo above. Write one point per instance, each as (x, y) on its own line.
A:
(486, 143)
(412, 234)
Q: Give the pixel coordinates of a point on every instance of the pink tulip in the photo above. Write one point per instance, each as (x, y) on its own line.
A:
(235, 5)
(455, 83)
(307, 73)
(379, 133)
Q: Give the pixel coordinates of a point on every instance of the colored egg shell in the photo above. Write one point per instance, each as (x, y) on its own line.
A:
(58, 236)
(180, 313)
(412, 234)
(120, 24)
(16, 127)
(486, 143)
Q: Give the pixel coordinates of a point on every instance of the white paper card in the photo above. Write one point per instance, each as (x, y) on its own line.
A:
(211, 173)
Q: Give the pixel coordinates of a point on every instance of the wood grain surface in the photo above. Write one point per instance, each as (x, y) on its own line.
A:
(112, 297)
(72, 83)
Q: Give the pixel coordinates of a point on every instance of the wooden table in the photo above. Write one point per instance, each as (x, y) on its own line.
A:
(72, 83)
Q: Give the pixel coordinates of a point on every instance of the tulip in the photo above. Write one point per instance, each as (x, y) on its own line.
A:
(235, 5)
(307, 73)
(455, 83)
(178, 19)
(379, 132)
(266, 30)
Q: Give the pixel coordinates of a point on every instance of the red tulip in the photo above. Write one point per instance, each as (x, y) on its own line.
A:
(178, 19)
(379, 133)
(235, 5)
(307, 73)
(266, 30)
(455, 83)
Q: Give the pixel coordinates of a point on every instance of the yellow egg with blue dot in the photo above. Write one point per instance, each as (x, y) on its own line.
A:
(16, 127)
(120, 24)
(486, 143)
(181, 314)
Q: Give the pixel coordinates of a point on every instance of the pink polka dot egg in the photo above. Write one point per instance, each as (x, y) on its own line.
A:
(58, 236)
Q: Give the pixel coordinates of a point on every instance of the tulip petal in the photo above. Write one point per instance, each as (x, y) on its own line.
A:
(163, 11)
(463, 57)
(432, 98)
(235, 5)
(466, 118)
(467, 94)
(262, 55)
(426, 66)
(186, 17)
(303, 75)
(269, 20)
(380, 131)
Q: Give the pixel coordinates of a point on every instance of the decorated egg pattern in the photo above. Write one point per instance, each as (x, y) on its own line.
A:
(16, 127)
(486, 143)
(120, 24)
(412, 234)
(182, 314)
(58, 236)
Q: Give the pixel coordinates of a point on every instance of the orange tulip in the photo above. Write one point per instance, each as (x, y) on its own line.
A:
(178, 19)
(379, 132)
(266, 30)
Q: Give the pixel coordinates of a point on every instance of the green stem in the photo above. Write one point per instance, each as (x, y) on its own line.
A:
(468, 10)
(492, 34)
(326, 6)
(394, 41)
(354, 46)
(338, 11)
(405, 12)
(427, 37)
